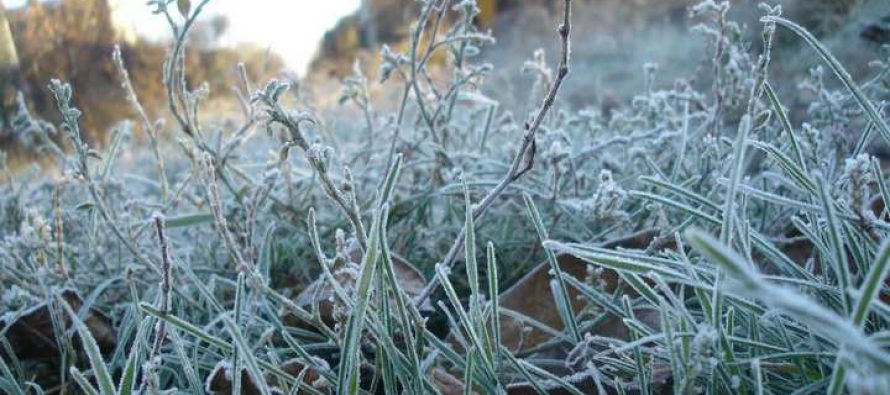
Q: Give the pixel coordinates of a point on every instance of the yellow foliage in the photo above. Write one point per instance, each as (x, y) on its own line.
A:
(488, 10)
(73, 39)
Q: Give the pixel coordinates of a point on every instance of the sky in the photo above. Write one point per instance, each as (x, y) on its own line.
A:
(291, 28)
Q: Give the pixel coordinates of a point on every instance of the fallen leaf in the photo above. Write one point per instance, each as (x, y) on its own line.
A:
(321, 292)
(531, 296)
(219, 381)
(446, 383)
(31, 333)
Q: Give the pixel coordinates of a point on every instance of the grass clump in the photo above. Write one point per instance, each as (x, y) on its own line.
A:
(723, 246)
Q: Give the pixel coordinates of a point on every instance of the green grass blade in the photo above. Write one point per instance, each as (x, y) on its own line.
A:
(188, 220)
(871, 286)
(836, 244)
(642, 375)
(562, 294)
(470, 255)
(184, 360)
(100, 370)
(463, 317)
(758, 377)
(468, 373)
(727, 226)
(348, 377)
(839, 71)
(127, 383)
(524, 372)
(680, 191)
(550, 377)
(612, 261)
(246, 355)
(786, 124)
(675, 204)
(820, 319)
(493, 293)
(82, 381)
(883, 188)
(187, 327)
(402, 302)
(793, 170)
(7, 374)
(389, 182)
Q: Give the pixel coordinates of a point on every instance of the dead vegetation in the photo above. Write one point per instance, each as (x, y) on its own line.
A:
(693, 239)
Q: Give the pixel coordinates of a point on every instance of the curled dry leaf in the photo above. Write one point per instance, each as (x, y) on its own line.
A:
(446, 383)
(321, 292)
(219, 381)
(32, 336)
(532, 297)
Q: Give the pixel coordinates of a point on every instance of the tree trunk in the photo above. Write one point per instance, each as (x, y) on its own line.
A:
(10, 77)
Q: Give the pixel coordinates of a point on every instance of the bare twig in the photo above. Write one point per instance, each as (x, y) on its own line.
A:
(524, 158)
(59, 230)
(174, 70)
(219, 219)
(164, 302)
(315, 156)
(150, 128)
(70, 115)
(415, 43)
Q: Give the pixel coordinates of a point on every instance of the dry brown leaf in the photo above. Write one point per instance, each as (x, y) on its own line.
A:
(32, 337)
(446, 383)
(219, 381)
(531, 296)
(321, 292)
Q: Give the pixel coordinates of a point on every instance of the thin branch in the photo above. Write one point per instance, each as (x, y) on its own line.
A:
(171, 71)
(315, 158)
(163, 303)
(149, 127)
(523, 160)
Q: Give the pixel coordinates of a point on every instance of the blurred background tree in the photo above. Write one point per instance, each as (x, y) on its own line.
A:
(617, 38)
(10, 78)
(73, 39)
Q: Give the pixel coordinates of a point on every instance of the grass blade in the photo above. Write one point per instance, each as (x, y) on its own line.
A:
(839, 71)
(100, 370)
(246, 355)
(82, 381)
(348, 377)
(800, 307)
(128, 378)
(871, 287)
(493, 293)
(836, 244)
(786, 124)
(561, 294)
